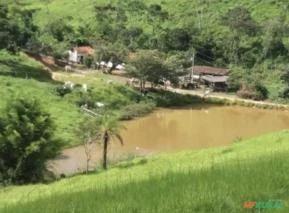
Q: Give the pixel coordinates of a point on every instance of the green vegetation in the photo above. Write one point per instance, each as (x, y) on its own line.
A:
(21, 66)
(158, 40)
(27, 141)
(23, 77)
(153, 66)
(250, 37)
(109, 128)
(213, 180)
(17, 28)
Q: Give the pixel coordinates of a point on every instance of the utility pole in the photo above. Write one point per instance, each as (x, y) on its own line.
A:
(193, 64)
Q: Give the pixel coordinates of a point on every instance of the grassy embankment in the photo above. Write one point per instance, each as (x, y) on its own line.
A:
(212, 180)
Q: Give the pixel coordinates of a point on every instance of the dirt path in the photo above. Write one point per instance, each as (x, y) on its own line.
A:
(224, 96)
(200, 93)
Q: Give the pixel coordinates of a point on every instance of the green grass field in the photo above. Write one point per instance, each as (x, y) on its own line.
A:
(212, 180)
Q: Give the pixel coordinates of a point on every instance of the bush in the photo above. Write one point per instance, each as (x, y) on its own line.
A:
(88, 61)
(136, 110)
(26, 142)
(170, 99)
(255, 92)
(62, 91)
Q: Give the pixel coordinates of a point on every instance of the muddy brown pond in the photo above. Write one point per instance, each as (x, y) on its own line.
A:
(171, 130)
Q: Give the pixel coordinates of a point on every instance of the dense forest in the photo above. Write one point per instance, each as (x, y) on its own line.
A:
(249, 37)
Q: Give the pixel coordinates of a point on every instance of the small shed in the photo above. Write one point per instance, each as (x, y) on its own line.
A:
(217, 83)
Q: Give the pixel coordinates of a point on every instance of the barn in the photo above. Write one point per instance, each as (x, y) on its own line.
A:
(213, 77)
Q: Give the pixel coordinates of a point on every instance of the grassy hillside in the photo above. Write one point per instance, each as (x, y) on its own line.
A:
(204, 15)
(189, 11)
(21, 76)
(207, 15)
(213, 180)
(252, 39)
(21, 66)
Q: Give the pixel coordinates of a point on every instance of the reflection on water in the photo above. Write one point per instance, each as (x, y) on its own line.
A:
(184, 129)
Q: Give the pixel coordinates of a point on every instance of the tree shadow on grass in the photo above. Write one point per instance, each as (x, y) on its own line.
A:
(24, 71)
(170, 99)
(127, 165)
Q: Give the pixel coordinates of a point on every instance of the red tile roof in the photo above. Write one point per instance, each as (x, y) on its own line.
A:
(206, 70)
(131, 55)
(85, 50)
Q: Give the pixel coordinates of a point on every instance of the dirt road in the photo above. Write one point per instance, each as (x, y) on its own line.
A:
(200, 93)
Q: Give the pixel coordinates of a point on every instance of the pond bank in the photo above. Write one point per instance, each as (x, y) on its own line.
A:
(226, 99)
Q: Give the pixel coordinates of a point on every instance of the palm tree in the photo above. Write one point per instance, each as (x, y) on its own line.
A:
(110, 128)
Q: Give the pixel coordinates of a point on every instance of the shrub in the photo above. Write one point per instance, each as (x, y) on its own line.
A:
(88, 61)
(62, 91)
(254, 92)
(26, 142)
(170, 99)
(136, 110)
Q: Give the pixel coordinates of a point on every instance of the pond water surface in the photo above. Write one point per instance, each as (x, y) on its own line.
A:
(171, 130)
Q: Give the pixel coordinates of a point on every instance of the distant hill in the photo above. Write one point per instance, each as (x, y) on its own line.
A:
(206, 14)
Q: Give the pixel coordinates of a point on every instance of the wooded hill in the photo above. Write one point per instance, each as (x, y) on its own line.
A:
(250, 37)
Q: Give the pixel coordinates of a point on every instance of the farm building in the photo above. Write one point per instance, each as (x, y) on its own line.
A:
(77, 54)
(217, 83)
(212, 77)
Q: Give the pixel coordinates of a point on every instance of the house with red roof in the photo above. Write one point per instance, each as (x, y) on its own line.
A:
(77, 54)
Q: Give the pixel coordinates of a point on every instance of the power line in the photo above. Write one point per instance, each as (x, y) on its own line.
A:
(206, 56)
(206, 61)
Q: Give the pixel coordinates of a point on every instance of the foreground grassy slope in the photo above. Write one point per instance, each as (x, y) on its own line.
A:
(213, 180)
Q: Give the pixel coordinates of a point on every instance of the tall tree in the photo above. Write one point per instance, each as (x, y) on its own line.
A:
(89, 133)
(176, 39)
(16, 29)
(109, 128)
(274, 32)
(240, 19)
(153, 66)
